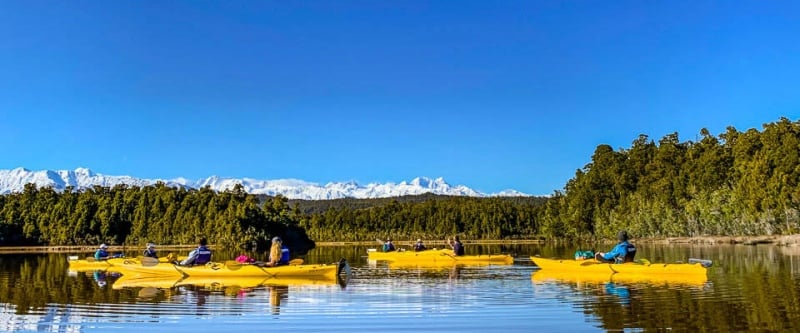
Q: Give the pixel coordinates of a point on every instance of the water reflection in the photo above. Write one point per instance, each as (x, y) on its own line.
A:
(749, 288)
(277, 294)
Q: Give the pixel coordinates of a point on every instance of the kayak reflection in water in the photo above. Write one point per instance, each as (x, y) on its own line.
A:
(622, 292)
(102, 278)
(277, 295)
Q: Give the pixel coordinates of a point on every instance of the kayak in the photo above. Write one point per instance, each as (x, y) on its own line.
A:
(90, 263)
(696, 268)
(227, 269)
(436, 256)
(164, 282)
(441, 264)
(545, 276)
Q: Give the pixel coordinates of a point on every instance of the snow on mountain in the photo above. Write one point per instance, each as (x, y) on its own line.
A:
(81, 178)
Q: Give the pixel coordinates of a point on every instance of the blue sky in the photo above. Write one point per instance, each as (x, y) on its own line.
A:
(492, 95)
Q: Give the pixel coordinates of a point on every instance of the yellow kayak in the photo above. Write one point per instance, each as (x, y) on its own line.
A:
(163, 282)
(646, 269)
(544, 276)
(227, 269)
(438, 256)
(441, 264)
(90, 263)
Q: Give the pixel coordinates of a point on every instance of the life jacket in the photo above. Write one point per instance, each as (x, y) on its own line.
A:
(419, 247)
(100, 254)
(203, 256)
(388, 247)
(151, 254)
(284, 255)
(630, 252)
(458, 248)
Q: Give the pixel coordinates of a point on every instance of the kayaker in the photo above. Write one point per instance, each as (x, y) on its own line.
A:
(101, 253)
(278, 253)
(419, 246)
(199, 256)
(150, 251)
(388, 246)
(624, 251)
(456, 245)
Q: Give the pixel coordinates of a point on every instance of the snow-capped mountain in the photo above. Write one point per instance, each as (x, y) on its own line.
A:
(14, 181)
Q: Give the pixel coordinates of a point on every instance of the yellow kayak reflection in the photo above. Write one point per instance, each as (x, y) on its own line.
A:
(214, 283)
(544, 276)
(442, 265)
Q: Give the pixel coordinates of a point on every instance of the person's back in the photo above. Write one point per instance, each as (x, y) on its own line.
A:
(199, 256)
(419, 246)
(388, 246)
(101, 253)
(279, 253)
(458, 247)
(624, 251)
(150, 251)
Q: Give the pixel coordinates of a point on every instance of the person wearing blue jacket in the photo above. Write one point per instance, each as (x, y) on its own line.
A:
(199, 256)
(624, 251)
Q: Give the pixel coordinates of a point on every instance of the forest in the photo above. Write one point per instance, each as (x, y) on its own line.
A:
(735, 183)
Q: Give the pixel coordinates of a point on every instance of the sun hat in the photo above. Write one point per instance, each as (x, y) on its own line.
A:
(103, 246)
(150, 245)
(276, 239)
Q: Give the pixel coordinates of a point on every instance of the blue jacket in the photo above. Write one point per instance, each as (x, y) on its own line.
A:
(284, 255)
(100, 254)
(199, 256)
(388, 247)
(622, 252)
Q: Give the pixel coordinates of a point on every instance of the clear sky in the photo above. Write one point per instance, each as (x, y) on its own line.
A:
(489, 94)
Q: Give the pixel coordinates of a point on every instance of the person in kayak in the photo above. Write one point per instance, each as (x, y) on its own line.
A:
(456, 245)
(388, 246)
(278, 253)
(150, 251)
(199, 256)
(419, 246)
(624, 251)
(101, 253)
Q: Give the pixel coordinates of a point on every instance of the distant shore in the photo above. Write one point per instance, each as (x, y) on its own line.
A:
(782, 240)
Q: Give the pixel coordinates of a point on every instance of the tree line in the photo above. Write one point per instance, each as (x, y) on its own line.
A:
(736, 183)
(136, 215)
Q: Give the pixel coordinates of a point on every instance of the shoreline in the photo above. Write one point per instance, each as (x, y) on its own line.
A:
(779, 240)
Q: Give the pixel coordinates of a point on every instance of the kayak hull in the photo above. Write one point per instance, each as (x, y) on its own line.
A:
(628, 269)
(164, 282)
(545, 276)
(438, 256)
(215, 270)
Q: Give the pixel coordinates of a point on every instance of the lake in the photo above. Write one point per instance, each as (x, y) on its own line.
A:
(749, 288)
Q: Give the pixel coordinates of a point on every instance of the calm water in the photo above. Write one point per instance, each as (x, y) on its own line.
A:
(750, 288)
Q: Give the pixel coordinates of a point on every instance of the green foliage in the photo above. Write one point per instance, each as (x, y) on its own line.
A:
(734, 184)
(137, 215)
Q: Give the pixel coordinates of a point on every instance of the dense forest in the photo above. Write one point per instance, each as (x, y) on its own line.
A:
(136, 215)
(736, 183)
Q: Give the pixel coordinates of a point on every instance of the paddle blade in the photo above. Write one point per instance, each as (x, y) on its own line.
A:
(704, 262)
(147, 261)
(298, 261)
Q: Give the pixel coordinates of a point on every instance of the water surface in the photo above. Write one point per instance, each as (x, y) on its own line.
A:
(750, 288)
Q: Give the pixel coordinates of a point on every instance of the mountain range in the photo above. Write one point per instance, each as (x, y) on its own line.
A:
(14, 180)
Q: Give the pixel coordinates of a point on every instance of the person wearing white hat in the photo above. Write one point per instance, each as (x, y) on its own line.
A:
(101, 253)
(419, 246)
(150, 251)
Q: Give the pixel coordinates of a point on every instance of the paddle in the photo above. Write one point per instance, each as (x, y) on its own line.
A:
(147, 261)
(704, 262)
